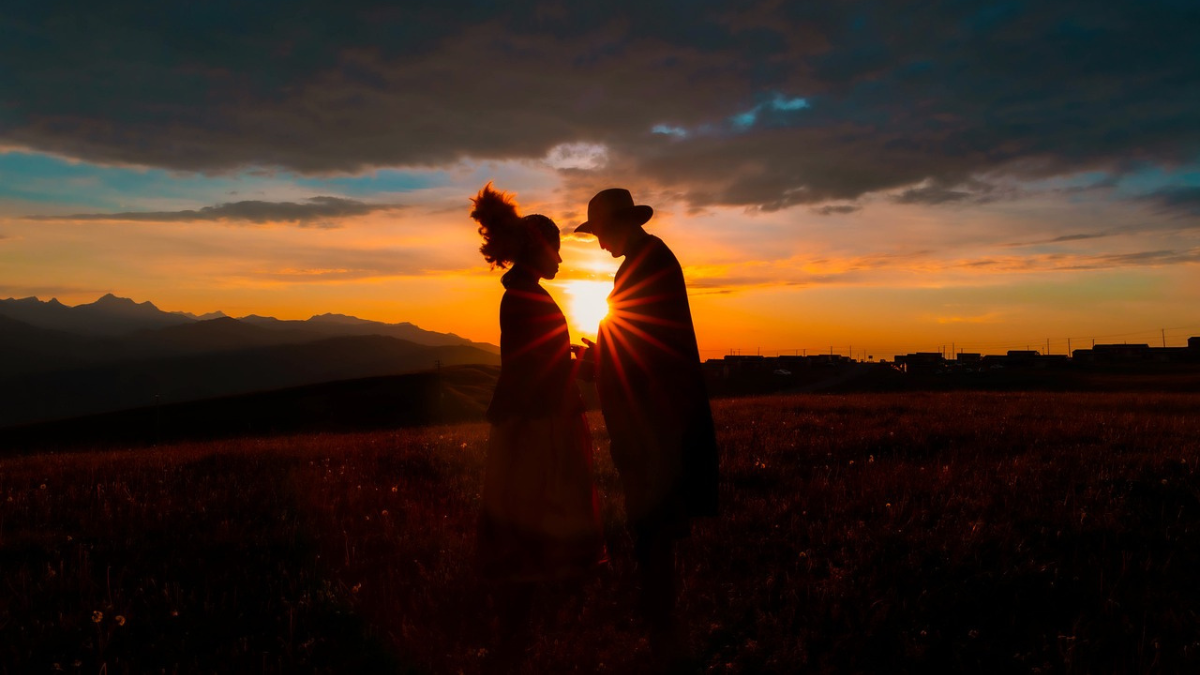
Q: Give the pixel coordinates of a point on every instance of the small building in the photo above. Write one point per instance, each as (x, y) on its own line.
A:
(1122, 352)
(920, 361)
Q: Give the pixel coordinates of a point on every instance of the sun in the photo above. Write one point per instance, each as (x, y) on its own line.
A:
(587, 305)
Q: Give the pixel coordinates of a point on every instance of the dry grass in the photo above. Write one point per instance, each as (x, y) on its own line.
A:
(863, 533)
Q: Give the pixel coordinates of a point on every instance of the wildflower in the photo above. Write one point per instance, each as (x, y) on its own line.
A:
(383, 512)
(97, 616)
(356, 588)
(888, 505)
(119, 619)
(464, 446)
(42, 486)
(174, 612)
(395, 489)
(870, 459)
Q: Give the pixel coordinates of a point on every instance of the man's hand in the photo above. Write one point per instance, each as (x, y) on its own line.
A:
(583, 351)
(585, 360)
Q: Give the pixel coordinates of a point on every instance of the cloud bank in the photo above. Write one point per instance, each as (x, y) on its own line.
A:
(313, 212)
(760, 104)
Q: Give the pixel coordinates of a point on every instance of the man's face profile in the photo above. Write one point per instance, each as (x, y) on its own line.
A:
(611, 237)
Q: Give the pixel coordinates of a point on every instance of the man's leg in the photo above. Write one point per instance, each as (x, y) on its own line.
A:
(655, 552)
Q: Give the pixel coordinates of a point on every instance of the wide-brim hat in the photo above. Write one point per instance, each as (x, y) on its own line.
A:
(614, 207)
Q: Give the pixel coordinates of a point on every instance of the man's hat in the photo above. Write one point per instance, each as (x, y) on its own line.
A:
(612, 206)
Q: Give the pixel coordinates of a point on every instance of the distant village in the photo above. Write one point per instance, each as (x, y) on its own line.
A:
(1130, 354)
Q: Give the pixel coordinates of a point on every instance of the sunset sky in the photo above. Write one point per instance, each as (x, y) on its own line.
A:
(884, 177)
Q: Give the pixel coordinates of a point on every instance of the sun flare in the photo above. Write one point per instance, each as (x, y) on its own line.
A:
(587, 305)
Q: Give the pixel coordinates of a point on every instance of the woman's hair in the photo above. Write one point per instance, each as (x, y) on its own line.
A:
(543, 226)
(506, 235)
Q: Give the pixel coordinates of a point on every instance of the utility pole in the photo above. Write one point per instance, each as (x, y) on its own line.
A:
(1164, 336)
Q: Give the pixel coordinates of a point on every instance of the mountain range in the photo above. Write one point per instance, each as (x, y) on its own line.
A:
(58, 361)
(115, 316)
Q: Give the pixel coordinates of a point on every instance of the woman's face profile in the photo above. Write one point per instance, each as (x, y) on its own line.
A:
(544, 257)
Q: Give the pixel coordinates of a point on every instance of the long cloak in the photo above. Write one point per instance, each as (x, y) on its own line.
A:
(652, 392)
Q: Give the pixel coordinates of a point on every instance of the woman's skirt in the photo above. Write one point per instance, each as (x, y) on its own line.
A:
(540, 516)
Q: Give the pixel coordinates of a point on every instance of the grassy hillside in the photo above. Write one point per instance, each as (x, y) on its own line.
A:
(862, 533)
(60, 395)
(452, 394)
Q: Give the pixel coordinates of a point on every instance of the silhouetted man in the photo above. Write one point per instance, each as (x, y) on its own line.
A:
(655, 404)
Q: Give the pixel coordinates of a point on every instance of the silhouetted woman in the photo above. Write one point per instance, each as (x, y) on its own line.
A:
(540, 520)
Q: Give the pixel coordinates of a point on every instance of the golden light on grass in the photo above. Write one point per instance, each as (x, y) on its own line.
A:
(587, 305)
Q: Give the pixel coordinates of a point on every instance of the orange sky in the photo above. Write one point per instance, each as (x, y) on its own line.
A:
(886, 279)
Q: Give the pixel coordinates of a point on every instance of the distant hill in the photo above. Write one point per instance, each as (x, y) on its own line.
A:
(340, 324)
(451, 394)
(203, 317)
(122, 317)
(132, 383)
(219, 334)
(25, 349)
(58, 361)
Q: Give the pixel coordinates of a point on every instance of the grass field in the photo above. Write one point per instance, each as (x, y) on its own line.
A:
(969, 532)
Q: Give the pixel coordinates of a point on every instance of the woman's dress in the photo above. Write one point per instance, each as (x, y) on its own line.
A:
(540, 517)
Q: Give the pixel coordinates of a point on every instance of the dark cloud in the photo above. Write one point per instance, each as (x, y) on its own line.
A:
(1142, 258)
(1064, 238)
(1078, 237)
(1063, 262)
(839, 209)
(312, 212)
(761, 104)
(1182, 202)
